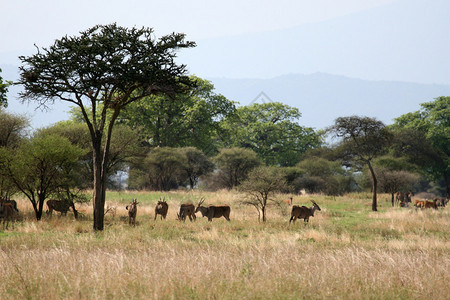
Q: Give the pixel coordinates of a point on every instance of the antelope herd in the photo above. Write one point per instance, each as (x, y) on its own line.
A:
(9, 210)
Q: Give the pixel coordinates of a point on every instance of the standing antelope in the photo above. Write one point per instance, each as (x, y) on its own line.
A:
(132, 210)
(161, 208)
(213, 211)
(7, 213)
(62, 206)
(186, 209)
(303, 212)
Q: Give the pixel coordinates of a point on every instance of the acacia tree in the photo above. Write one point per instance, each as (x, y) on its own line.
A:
(363, 139)
(101, 71)
(260, 186)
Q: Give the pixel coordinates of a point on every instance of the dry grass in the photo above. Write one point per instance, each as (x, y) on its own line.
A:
(346, 252)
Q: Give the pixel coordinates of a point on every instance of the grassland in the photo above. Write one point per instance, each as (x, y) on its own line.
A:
(345, 252)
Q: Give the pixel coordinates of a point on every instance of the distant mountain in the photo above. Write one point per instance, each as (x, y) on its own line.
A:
(321, 98)
(407, 40)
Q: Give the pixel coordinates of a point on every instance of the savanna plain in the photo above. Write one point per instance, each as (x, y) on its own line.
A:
(345, 252)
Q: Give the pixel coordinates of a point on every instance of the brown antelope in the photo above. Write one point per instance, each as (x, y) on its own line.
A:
(402, 198)
(441, 202)
(288, 201)
(161, 208)
(13, 202)
(186, 210)
(7, 213)
(303, 212)
(430, 204)
(132, 210)
(62, 206)
(213, 211)
(419, 204)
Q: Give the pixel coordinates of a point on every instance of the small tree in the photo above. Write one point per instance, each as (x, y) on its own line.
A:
(363, 139)
(234, 164)
(196, 165)
(260, 186)
(101, 72)
(43, 167)
(164, 168)
(395, 181)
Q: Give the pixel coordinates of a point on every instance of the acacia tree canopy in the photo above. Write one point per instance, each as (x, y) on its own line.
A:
(363, 139)
(101, 71)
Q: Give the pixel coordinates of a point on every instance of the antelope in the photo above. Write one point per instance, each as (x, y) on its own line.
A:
(132, 210)
(213, 211)
(303, 212)
(441, 202)
(7, 213)
(161, 208)
(62, 206)
(288, 201)
(430, 204)
(419, 204)
(13, 202)
(403, 198)
(186, 209)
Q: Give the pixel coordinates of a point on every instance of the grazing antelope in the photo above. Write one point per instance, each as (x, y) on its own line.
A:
(441, 202)
(419, 204)
(430, 204)
(213, 211)
(186, 209)
(62, 206)
(7, 213)
(303, 212)
(132, 210)
(161, 208)
(402, 199)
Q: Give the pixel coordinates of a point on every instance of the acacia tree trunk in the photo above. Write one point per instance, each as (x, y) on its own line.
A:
(100, 161)
(99, 197)
(374, 187)
(392, 199)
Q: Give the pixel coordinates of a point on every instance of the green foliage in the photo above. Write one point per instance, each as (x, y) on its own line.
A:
(12, 129)
(190, 118)
(234, 164)
(272, 131)
(363, 139)
(321, 175)
(3, 91)
(164, 166)
(42, 167)
(424, 137)
(196, 165)
(260, 186)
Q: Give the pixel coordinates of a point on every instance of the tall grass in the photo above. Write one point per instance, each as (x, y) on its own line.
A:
(346, 252)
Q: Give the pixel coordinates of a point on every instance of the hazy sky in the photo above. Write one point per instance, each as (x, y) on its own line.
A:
(378, 40)
(25, 22)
